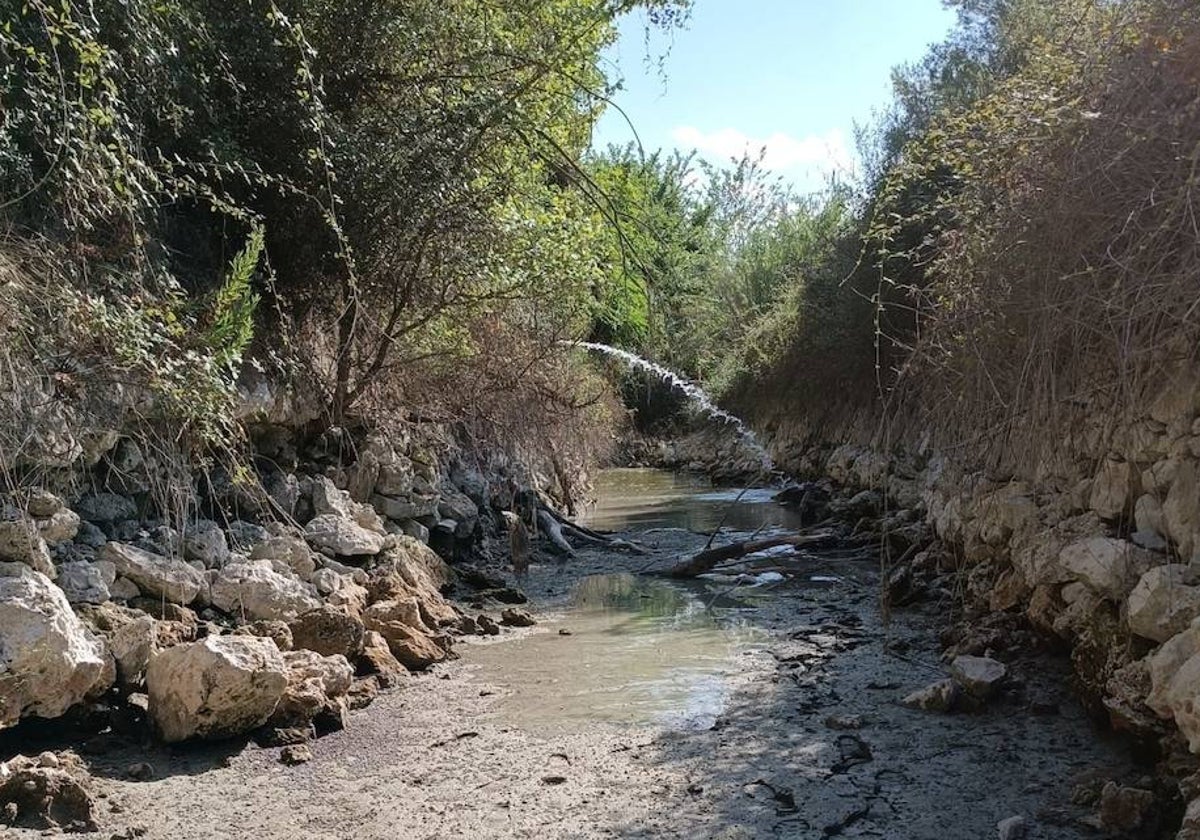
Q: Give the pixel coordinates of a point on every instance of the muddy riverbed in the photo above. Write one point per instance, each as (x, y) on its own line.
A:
(638, 708)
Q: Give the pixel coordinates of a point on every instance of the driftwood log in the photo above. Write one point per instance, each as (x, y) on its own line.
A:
(704, 562)
(553, 531)
(558, 528)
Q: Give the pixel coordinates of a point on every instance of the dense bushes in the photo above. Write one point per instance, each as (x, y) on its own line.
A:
(1019, 253)
(372, 198)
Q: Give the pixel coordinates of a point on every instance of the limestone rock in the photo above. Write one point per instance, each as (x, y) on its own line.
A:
(356, 574)
(1181, 510)
(1166, 664)
(1163, 604)
(1148, 515)
(132, 645)
(327, 581)
(1110, 567)
(1175, 683)
(1013, 828)
(255, 590)
(1179, 397)
(156, 576)
(83, 583)
(939, 697)
(60, 526)
(1004, 512)
(294, 754)
(409, 639)
(411, 506)
(243, 535)
(205, 542)
(106, 508)
(513, 617)
(20, 541)
(316, 687)
(328, 631)
(1114, 489)
(1035, 553)
(52, 791)
(341, 536)
(273, 629)
(215, 688)
(1190, 829)
(123, 589)
(1125, 809)
(414, 529)
(978, 675)
(349, 597)
(48, 660)
(457, 506)
(292, 550)
(376, 658)
(41, 503)
(426, 573)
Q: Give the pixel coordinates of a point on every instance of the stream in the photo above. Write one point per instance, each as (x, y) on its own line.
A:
(638, 707)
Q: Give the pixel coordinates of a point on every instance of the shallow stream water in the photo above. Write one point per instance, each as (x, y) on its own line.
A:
(640, 499)
(630, 649)
(627, 650)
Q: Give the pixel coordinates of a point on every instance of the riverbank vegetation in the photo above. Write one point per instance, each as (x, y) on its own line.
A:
(378, 205)
(1017, 252)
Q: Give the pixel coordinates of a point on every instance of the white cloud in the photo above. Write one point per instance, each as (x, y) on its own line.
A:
(805, 160)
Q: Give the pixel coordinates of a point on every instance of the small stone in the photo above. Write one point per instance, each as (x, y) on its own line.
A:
(1125, 809)
(295, 754)
(1013, 828)
(517, 618)
(140, 771)
(563, 631)
(487, 625)
(844, 722)
(941, 696)
(979, 675)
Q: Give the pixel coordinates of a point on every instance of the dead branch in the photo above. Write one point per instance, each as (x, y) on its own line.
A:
(706, 560)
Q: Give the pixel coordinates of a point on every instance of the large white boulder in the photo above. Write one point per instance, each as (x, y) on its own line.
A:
(48, 659)
(1110, 567)
(1163, 604)
(215, 688)
(255, 590)
(155, 575)
(341, 536)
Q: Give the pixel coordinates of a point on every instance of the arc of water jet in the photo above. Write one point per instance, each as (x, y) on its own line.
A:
(693, 392)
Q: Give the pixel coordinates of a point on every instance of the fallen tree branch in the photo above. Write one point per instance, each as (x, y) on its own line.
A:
(553, 531)
(706, 560)
(564, 527)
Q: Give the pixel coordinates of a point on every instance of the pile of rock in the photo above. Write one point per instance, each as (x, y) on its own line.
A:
(224, 629)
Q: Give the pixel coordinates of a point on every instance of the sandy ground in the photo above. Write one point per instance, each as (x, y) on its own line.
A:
(439, 758)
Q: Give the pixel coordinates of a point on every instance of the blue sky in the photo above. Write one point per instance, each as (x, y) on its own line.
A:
(793, 75)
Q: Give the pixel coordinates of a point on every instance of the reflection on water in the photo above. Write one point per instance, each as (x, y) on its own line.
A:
(638, 652)
(637, 499)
